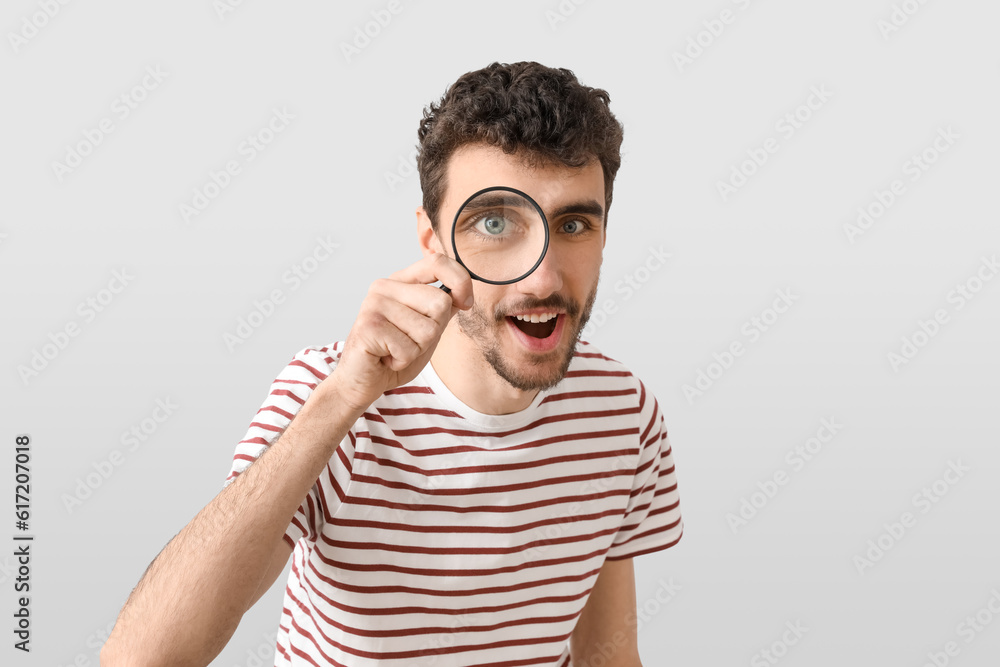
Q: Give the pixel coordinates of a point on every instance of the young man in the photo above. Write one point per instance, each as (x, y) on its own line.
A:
(462, 481)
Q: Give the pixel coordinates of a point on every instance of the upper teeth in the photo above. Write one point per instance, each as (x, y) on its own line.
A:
(544, 317)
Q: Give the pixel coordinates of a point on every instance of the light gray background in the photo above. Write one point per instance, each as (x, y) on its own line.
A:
(161, 337)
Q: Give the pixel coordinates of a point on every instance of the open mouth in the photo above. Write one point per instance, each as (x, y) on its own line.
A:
(536, 326)
(538, 333)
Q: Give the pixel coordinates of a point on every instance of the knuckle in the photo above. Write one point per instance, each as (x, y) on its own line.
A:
(427, 331)
(405, 351)
(441, 306)
(371, 318)
(366, 310)
(442, 262)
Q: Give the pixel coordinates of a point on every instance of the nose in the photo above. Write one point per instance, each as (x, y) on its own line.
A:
(546, 279)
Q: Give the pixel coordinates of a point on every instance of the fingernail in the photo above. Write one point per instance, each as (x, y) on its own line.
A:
(469, 300)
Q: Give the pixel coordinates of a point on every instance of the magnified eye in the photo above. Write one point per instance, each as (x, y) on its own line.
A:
(492, 224)
(501, 235)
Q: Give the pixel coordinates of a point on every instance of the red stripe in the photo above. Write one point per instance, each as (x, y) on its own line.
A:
(266, 427)
(649, 550)
(552, 419)
(642, 467)
(592, 355)
(442, 592)
(311, 385)
(647, 533)
(408, 390)
(419, 411)
(451, 572)
(311, 508)
(667, 489)
(594, 393)
(595, 373)
(667, 508)
(465, 551)
(298, 524)
(499, 467)
(428, 507)
(332, 480)
(273, 408)
(279, 647)
(289, 394)
(524, 445)
(500, 488)
(302, 364)
(406, 527)
(652, 420)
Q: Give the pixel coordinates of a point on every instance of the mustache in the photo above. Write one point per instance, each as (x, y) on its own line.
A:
(553, 301)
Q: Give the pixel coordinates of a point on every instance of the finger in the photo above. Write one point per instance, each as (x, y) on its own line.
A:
(437, 267)
(393, 347)
(423, 330)
(425, 300)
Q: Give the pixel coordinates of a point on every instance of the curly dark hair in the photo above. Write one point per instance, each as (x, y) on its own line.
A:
(520, 106)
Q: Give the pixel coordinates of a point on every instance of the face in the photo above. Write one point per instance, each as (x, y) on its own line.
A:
(527, 331)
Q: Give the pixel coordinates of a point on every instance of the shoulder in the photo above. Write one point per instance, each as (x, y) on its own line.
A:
(601, 373)
(590, 362)
(310, 365)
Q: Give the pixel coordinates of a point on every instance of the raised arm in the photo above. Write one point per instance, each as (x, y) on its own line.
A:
(191, 598)
(189, 602)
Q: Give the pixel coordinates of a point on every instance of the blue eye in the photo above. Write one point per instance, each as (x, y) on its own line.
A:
(492, 224)
(572, 226)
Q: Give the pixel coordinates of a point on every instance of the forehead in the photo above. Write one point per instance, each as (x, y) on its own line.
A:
(476, 166)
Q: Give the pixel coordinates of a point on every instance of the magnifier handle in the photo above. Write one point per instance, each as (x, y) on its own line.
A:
(447, 290)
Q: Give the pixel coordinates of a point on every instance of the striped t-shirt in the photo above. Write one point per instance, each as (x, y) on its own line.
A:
(440, 536)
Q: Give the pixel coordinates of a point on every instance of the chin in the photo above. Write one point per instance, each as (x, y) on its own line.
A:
(536, 374)
(512, 359)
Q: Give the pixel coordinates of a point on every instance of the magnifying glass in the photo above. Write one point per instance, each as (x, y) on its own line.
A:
(499, 235)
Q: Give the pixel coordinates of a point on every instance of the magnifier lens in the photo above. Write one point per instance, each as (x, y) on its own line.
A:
(500, 235)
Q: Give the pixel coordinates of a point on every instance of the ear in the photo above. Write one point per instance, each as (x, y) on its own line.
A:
(429, 240)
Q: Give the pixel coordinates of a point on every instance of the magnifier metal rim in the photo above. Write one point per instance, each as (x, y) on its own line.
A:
(545, 225)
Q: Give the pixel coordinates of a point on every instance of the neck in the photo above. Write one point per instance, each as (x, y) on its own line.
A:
(462, 368)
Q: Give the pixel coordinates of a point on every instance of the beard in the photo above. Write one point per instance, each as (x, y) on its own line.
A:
(542, 372)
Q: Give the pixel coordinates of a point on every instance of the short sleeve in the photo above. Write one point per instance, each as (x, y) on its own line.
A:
(288, 394)
(652, 519)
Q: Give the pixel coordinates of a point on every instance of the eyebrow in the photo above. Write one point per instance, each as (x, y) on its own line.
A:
(496, 201)
(589, 207)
